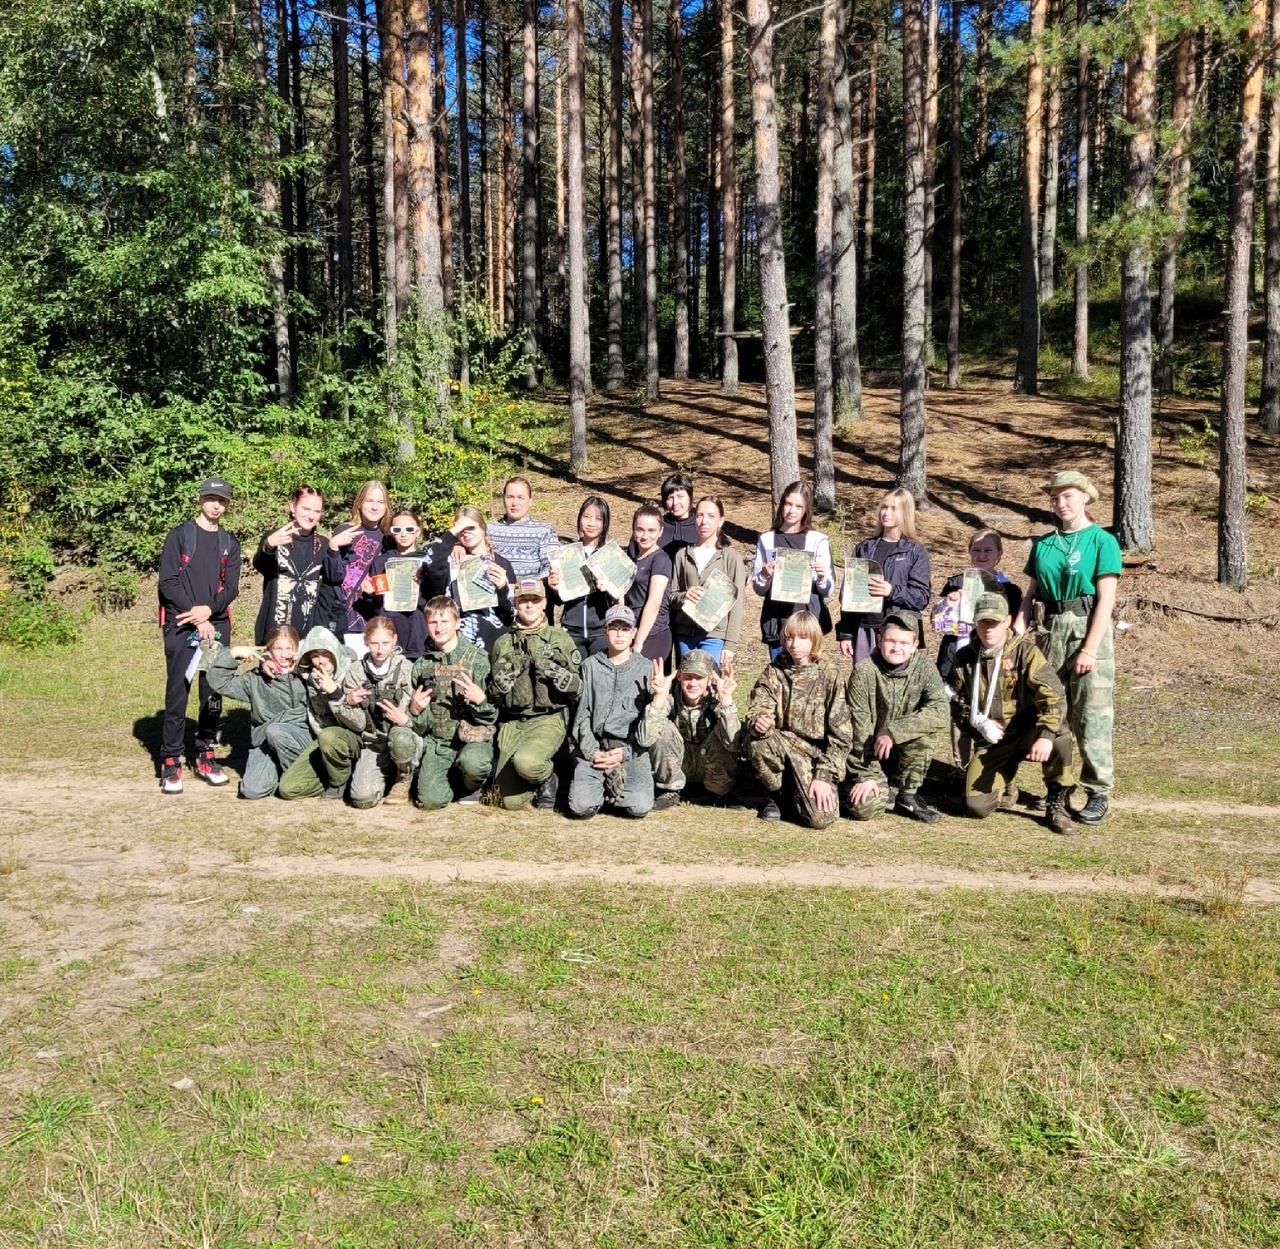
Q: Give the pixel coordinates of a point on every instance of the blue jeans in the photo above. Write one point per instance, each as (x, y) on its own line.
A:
(713, 646)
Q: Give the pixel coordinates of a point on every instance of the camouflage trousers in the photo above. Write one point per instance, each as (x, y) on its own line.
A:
(527, 752)
(1090, 698)
(992, 767)
(784, 763)
(904, 769)
(676, 762)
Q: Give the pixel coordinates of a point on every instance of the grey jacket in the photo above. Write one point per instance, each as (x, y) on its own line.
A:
(685, 576)
(614, 702)
(328, 710)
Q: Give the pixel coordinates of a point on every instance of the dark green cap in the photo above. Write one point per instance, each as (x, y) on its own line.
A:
(991, 607)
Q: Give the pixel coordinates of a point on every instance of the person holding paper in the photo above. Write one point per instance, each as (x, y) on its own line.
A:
(291, 562)
(199, 580)
(352, 549)
(583, 618)
(793, 531)
(401, 551)
(650, 594)
(443, 564)
(905, 585)
(694, 567)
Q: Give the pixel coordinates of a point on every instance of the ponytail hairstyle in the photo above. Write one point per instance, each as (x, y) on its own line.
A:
(282, 633)
(302, 492)
(722, 540)
(381, 624)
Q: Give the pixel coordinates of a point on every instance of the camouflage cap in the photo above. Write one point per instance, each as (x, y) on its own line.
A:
(1069, 477)
(904, 618)
(698, 664)
(991, 607)
(529, 587)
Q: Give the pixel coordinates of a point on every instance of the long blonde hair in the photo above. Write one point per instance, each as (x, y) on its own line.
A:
(906, 513)
(357, 517)
(471, 513)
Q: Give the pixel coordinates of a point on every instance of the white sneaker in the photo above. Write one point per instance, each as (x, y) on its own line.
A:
(171, 777)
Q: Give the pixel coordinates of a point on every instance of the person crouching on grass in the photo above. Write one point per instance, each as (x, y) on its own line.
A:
(451, 712)
(277, 698)
(389, 748)
(1010, 701)
(900, 715)
(613, 728)
(798, 727)
(699, 741)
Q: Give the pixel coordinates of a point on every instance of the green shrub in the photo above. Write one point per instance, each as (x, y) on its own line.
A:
(32, 623)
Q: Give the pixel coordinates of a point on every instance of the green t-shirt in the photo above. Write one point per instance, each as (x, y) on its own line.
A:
(1068, 565)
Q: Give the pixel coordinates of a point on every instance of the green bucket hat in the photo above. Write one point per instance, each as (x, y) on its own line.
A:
(1060, 481)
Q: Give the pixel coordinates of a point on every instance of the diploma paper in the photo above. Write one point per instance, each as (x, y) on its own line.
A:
(718, 597)
(613, 570)
(855, 595)
(792, 576)
(974, 585)
(402, 585)
(568, 561)
(475, 590)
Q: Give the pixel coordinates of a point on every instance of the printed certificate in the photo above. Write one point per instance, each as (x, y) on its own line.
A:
(568, 561)
(792, 576)
(855, 595)
(402, 585)
(475, 590)
(718, 597)
(613, 570)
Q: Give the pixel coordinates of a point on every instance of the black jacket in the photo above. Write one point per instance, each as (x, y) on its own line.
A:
(906, 569)
(295, 571)
(188, 580)
(482, 627)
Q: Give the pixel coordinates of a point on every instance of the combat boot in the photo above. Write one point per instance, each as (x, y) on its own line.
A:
(1057, 815)
(398, 794)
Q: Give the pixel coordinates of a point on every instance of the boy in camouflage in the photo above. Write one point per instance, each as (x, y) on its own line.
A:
(535, 682)
(451, 712)
(1010, 701)
(700, 732)
(613, 728)
(899, 709)
(798, 729)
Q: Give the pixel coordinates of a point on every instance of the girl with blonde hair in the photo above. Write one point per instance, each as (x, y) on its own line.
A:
(443, 563)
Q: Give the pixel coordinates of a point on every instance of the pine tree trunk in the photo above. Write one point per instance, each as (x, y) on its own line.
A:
(869, 218)
(635, 69)
(784, 459)
(423, 201)
(529, 129)
(930, 172)
(1269, 405)
(486, 206)
(982, 62)
(711, 357)
(1080, 351)
(271, 209)
(442, 150)
(1052, 169)
(1178, 161)
(824, 475)
(342, 144)
(284, 91)
(651, 387)
(1134, 524)
(1026, 374)
(1233, 551)
(560, 198)
(366, 142)
(956, 155)
(846, 366)
(616, 374)
(729, 198)
(302, 218)
(679, 174)
(911, 456)
(577, 230)
(856, 74)
(464, 138)
(508, 189)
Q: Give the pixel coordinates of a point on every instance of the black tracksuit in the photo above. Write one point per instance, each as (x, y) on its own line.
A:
(196, 577)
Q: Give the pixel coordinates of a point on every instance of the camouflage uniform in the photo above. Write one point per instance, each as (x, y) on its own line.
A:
(810, 736)
(696, 743)
(1029, 704)
(535, 682)
(910, 704)
(386, 749)
(1091, 710)
(329, 759)
(457, 736)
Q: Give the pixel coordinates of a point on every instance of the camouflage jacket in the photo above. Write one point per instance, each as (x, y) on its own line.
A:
(325, 710)
(697, 725)
(448, 708)
(908, 703)
(271, 700)
(809, 704)
(393, 686)
(1028, 686)
(535, 672)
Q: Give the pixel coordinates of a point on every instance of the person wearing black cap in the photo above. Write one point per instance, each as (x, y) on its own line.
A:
(199, 580)
(1010, 701)
(900, 715)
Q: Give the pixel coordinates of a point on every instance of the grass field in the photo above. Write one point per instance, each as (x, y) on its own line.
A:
(266, 1024)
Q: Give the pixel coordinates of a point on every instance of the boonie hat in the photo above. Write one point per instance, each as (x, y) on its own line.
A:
(619, 613)
(218, 487)
(530, 587)
(904, 618)
(1069, 477)
(991, 607)
(698, 664)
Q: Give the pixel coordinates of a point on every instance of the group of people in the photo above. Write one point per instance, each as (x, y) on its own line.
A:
(388, 671)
